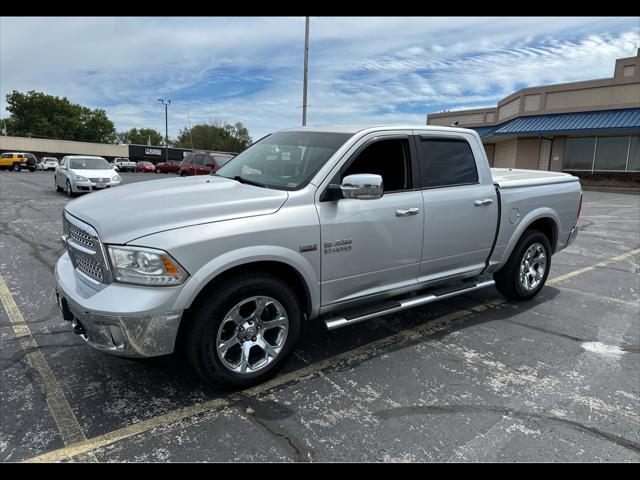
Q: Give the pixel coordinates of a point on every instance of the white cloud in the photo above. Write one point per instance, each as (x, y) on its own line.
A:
(362, 70)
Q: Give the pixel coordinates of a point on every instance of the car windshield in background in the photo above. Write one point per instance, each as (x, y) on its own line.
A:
(89, 164)
(285, 160)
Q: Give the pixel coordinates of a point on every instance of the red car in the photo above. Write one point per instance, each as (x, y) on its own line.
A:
(145, 167)
(203, 163)
(168, 167)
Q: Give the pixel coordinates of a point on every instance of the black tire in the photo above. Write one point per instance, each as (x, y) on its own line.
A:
(508, 277)
(55, 182)
(200, 336)
(16, 167)
(68, 190)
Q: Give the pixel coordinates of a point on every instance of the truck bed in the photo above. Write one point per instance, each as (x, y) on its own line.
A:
(512, 178)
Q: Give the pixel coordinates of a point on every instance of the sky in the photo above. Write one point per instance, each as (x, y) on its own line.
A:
(362, 70)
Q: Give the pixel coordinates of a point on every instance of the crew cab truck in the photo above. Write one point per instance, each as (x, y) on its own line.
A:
(124, 164)
(333, 224)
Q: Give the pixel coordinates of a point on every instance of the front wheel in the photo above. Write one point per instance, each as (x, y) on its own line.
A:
(55, 182)
(243, 332)
(526, 271)
(68, 190)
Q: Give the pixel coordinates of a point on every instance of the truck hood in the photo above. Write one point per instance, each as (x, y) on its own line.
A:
(122, 214)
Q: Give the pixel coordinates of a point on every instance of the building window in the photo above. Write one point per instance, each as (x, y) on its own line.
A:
(634, 154)
(579, 153)
(603, 154)
(611, 153)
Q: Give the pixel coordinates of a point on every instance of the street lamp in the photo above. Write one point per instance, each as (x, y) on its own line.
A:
(166, 127)
(306, 69)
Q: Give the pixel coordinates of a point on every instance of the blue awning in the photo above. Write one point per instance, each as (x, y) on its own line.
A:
(627, 119)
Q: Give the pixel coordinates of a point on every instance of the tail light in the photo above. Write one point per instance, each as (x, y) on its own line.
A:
(579, 207)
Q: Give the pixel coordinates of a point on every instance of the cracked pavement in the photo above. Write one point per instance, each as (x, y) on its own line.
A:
(474, 378)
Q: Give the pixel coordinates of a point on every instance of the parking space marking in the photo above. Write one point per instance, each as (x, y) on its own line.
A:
(606, 298)
(604, 263)
(398, 338)
(63, 415)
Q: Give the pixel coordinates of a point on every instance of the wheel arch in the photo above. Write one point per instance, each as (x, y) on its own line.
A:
(544, 220)
(289, 266)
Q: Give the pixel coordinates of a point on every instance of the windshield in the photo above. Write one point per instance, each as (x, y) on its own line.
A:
(89, 164)
(284, 160)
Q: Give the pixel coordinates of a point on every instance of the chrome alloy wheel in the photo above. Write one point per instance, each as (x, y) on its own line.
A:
(252, 334)
(533, 266)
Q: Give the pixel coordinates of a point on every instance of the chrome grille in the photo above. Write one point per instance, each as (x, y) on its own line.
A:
(104, 180)
(89, 267)
(82, 238)
(85, 252)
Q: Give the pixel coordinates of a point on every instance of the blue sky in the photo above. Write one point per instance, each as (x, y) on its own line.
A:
(367, 70)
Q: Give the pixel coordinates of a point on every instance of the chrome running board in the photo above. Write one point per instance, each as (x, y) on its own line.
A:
(342, 321)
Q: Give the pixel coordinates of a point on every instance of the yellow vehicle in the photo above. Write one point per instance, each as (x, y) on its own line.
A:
(18, 160)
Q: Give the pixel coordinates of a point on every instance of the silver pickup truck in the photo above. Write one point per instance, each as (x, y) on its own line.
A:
(340, 224)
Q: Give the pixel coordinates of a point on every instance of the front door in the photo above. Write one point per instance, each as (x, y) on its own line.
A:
(369, 247)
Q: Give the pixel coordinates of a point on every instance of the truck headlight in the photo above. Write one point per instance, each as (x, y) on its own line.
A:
(145, 266)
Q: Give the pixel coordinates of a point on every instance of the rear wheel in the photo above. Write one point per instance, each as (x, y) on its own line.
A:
(527, 269)
(243, 332)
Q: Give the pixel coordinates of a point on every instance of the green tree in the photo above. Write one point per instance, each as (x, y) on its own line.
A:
(40, 115)
(215, 136)
(140, 136)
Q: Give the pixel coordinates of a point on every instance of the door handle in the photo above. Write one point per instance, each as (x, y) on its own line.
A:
(483, 203)
(406, 212)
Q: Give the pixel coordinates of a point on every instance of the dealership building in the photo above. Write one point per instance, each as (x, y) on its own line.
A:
(588, 128)
(42, 147)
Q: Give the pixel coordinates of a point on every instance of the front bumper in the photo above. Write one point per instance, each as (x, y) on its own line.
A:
(88, 186)
(119, 319)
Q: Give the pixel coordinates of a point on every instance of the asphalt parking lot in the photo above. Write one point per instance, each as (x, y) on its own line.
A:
(474, 378)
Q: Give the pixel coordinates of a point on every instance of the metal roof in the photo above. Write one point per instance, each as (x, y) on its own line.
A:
(621, 119)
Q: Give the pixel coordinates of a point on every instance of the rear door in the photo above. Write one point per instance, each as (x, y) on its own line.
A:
(460, 205)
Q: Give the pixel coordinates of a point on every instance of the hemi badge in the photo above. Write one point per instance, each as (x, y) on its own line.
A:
(309, 248)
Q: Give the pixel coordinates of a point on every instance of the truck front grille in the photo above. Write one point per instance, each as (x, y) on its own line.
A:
(90, 268)
(85, 252)
(82, 238)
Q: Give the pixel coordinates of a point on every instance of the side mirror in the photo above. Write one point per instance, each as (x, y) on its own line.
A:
(362, 186)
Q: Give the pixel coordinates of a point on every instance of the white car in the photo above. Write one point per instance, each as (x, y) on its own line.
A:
(83, 173)
(47, 163)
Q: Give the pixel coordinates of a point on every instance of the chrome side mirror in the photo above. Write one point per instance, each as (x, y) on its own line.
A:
(362, 186)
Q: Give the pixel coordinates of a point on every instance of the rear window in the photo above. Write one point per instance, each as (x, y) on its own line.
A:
(446, 162)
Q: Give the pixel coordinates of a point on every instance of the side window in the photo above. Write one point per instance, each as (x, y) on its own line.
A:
(446, 162)
(6, 155)
(208, 161)
(198, 160)
(387, 158)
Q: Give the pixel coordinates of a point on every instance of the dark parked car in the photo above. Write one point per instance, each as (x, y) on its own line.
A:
(168, 167)
(145, 167)
(203, 163)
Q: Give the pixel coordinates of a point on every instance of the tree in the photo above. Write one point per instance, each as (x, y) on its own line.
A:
(141, 136)
(215, 136)
(45, 116)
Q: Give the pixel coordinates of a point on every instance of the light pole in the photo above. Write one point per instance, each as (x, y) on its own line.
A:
(306, 65)
(166, 127)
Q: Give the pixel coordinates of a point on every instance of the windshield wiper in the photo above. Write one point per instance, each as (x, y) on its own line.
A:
(249, 182)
